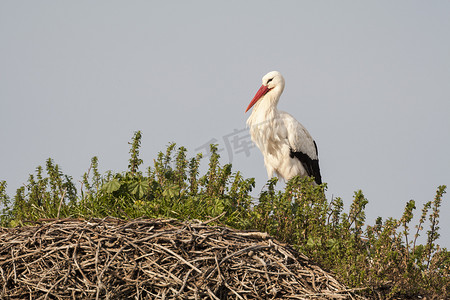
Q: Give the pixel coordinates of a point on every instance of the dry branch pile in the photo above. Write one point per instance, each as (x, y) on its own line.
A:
(154, 259)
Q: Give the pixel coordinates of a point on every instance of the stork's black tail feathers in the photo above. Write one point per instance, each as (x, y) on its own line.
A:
(311, 165)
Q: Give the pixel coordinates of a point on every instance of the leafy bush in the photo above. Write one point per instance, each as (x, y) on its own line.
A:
(382, 261)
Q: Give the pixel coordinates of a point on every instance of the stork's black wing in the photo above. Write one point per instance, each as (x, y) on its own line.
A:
(311, 165)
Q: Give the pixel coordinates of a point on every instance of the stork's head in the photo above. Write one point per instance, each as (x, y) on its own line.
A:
(272, 85)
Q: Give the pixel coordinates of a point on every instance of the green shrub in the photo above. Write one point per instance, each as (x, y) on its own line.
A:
(384, 260)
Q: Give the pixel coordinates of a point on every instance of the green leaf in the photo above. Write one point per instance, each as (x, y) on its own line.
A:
(171, 191)
(111, 186)
(139, 188)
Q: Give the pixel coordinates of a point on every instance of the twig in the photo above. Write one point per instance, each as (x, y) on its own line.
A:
(214, 219)
(61, 201)
(179, 257)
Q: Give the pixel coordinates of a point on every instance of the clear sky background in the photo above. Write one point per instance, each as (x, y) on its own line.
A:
(369, 80)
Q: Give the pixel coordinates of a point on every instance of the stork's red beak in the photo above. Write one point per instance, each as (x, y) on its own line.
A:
(261, 92)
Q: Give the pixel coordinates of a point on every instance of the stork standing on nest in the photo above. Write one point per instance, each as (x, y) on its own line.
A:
(286, 145)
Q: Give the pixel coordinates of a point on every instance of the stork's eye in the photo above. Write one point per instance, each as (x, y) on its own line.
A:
(269, 80)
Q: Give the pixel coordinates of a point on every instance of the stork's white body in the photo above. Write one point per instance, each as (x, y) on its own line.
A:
(286, 145)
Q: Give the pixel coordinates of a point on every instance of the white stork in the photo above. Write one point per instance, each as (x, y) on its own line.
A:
(286, 145)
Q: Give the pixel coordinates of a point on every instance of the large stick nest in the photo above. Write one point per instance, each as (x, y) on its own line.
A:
(154, 259)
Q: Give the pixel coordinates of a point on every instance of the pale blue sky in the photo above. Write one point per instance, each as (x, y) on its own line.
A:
(369, 80)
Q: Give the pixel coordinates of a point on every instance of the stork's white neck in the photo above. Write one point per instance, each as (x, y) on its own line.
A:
(266, 108)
